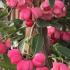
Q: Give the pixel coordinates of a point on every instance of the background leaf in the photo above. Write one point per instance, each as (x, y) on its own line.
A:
(6, 64)
(62, 50)
(52, 2)
(37, 43)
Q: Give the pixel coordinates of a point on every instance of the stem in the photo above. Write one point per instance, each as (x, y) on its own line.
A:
(46, 50)
(31, 32)
(9, 13)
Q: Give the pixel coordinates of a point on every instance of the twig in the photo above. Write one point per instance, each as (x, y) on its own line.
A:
(46, 50)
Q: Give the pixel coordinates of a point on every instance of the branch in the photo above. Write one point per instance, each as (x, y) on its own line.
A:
(46, 49)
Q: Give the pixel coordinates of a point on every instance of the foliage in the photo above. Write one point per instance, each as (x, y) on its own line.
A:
(16, 30)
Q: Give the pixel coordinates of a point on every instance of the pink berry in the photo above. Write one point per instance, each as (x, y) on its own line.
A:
(25, 13)
(66, 36)
(64, 12)
(20, 3)
(25, 65)
(47, 11)
(59, 66)
(68, 33)
(3, 48)
(39, 59)
(59, 9)
(57, 34)
(53, 41)
(37, 12)
(29, 23)
(64, 67)
(42, 68)
(45, 5)
(11, 3)
(8, 43)
(51, 30)
(14, 55)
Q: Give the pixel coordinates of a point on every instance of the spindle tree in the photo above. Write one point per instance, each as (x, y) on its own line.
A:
(35, 34)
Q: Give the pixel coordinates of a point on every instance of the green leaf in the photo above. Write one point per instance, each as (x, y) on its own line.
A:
(17, 23)
(7, 63)
(68, 13)
(37, 43)
(3, 13)
(7, 30)
(52, 2)
(55, 50)
(44, 23)
(21, 45)
(62, 50)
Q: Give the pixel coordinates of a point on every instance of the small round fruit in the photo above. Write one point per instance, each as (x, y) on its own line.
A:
(8, 43)
(3, 48)
(15, 56)
(25, 65)
(29, 23)
(39, 59)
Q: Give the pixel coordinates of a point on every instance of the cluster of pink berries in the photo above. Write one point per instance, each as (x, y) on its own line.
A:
(28, 12)
(24, 64)
(38, 62)
(56, 34)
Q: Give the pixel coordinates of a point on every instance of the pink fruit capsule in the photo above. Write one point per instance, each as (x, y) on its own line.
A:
(11, 3)
(39, 59)
(25, 14)
(25, 65)
(14, 55)
(3, 48)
